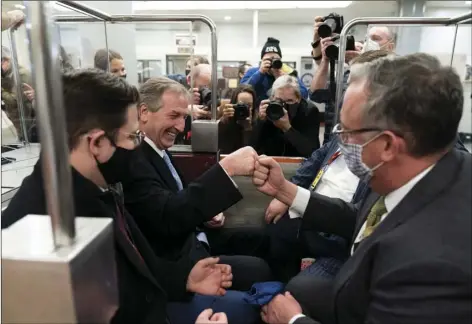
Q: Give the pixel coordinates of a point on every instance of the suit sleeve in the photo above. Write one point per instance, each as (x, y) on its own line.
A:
(330, 215)
(310, 167)
(175, 276)
(305, 139)
(421, 292)
(159, 211)
(306, 320)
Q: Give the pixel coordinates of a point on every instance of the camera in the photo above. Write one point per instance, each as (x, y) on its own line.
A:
(276, 63)
(205, 96)
(241, 111)
(275, 110)
(332, 23)
(332, 51)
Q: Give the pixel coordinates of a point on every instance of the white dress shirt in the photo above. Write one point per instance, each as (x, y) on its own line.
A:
(337, 181)
(391, 201)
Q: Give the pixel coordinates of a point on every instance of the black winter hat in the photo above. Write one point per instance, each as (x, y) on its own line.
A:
(271, 46)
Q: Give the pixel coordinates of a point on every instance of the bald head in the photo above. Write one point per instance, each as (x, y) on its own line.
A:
(201, 75)
(383, 36)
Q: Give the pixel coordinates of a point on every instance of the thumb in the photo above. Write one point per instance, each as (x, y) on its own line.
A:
(208, 262)
(289, 295)
(27, 86)
(205, 315)
(267, 161)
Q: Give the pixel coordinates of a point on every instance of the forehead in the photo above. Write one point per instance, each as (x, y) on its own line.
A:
(172, 100)
(379, 33)
(269, 55)
(244, 96)
(116, 63)
(285, 93)
(354, 100)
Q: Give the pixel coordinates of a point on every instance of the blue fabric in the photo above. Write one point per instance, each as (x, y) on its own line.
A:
(262, 83)
(173, 171)
(261, 293)
(232, 303)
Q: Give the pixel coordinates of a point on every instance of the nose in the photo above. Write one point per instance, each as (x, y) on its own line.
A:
(180, 125)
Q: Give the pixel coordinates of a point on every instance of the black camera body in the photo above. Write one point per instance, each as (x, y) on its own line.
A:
(205, 96)
(275, 110)
(241, 111)
(332, 51)
(332, 23)
(276, 64)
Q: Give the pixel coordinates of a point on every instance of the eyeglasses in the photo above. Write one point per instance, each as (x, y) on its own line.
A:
(344, 134)
(137, 137)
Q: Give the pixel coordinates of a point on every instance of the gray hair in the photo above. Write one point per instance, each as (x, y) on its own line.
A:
(152, 90)
(416, 98)
(286, 81)
(200, 69)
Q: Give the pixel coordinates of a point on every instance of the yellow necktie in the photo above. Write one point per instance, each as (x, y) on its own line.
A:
(374, 217)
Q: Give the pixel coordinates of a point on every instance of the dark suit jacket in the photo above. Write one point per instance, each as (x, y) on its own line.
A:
(416, 266)
(143, 290)
(166, 216)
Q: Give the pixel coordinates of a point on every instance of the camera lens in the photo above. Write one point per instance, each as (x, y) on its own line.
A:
(327, 27)
(276, 64)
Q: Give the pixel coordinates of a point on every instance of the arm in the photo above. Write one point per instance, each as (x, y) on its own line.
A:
(159, 211)
(310, 167)
(173, 277)
(422, 291)
(321, 77)
(305, 138)
(254, 79)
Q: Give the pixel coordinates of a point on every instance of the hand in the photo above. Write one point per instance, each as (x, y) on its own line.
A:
(268, 176)
(275, 211)
(28, 91)
(351, 55)
(265, 66)
(263, 109)
(325, 42)
(16, 18)
(281, 309)
(199, 113)
(209, 278)
(227, 113)
(241, 162)
(318, 21)
(283, 123)
(196, 96)
(206, 317)
(216, 222)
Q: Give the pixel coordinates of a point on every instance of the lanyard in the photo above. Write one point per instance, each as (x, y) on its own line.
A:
(323, 170)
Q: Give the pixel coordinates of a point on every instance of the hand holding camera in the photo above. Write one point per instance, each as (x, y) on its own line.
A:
(265, 66)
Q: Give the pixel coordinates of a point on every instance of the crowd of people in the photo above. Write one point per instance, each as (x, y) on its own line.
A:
(375, 227)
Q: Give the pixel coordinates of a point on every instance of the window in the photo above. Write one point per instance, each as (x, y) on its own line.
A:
(148, 69)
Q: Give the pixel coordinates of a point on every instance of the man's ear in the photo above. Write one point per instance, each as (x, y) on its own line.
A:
(143, 112)
(95, 141)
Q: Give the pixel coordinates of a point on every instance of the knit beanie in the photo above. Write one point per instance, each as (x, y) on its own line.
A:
(271, 46)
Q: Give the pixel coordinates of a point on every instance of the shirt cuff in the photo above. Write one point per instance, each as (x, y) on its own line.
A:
(234, 183)
(301, 201)
(293, 319)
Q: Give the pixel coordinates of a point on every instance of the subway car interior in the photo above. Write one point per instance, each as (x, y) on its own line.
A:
(61, 269)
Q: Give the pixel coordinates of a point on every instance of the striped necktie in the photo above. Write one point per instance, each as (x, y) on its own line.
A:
(373, 219)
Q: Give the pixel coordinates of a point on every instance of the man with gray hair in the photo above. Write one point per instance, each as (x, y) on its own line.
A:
(411, 238)
(287, 124)
(172, 214)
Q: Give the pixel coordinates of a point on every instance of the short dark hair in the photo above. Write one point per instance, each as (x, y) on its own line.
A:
(103, 57)
(417, 97)
(95, 99)
(243, 88)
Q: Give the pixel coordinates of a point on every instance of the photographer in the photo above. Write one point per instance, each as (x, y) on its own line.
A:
(262, 78)
(287, 124)
(235, 124)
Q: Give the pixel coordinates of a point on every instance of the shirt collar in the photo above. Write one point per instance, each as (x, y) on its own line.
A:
(154, 147)
(396, 196)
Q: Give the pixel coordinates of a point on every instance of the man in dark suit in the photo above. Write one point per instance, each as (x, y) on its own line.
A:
(102, 124)
(411, 239)
(171, 213)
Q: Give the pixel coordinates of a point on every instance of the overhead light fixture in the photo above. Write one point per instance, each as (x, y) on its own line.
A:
(227, 17)
(236, 5)
(19, 6)
(468, 2)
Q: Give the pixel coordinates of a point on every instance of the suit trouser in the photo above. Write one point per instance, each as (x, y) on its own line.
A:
(246, 270)
(232, 303)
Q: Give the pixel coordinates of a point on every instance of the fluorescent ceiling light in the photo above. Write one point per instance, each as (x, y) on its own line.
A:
(236, 5)
(468, 2)
(19, 6)
(227, 17)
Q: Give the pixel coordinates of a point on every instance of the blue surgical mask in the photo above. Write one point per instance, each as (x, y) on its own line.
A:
(353, 157)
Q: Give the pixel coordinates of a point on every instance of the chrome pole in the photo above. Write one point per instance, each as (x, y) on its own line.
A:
(44, 53)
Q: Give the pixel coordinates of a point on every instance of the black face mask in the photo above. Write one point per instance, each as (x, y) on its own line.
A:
(123, 76)
(187, 72)
(118, 167)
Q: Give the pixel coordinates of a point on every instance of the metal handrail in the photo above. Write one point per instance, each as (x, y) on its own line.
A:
(51, 122)
(418, 21)
(167, 18)
(89, 11)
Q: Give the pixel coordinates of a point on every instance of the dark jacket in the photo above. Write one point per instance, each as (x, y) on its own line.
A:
(166, 216)
(416, 266)
(232, 136)
(144, 289)
(300, 140)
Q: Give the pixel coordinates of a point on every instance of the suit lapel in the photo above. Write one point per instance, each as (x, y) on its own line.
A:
(424, 192)
(160, 166)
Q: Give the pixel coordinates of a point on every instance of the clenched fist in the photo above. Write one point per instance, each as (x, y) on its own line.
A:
(241, 162)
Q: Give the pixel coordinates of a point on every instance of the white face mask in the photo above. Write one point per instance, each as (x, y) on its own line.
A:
(353, 157)
(370, 45)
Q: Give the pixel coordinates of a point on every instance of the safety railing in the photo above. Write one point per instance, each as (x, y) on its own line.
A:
(400, 21)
